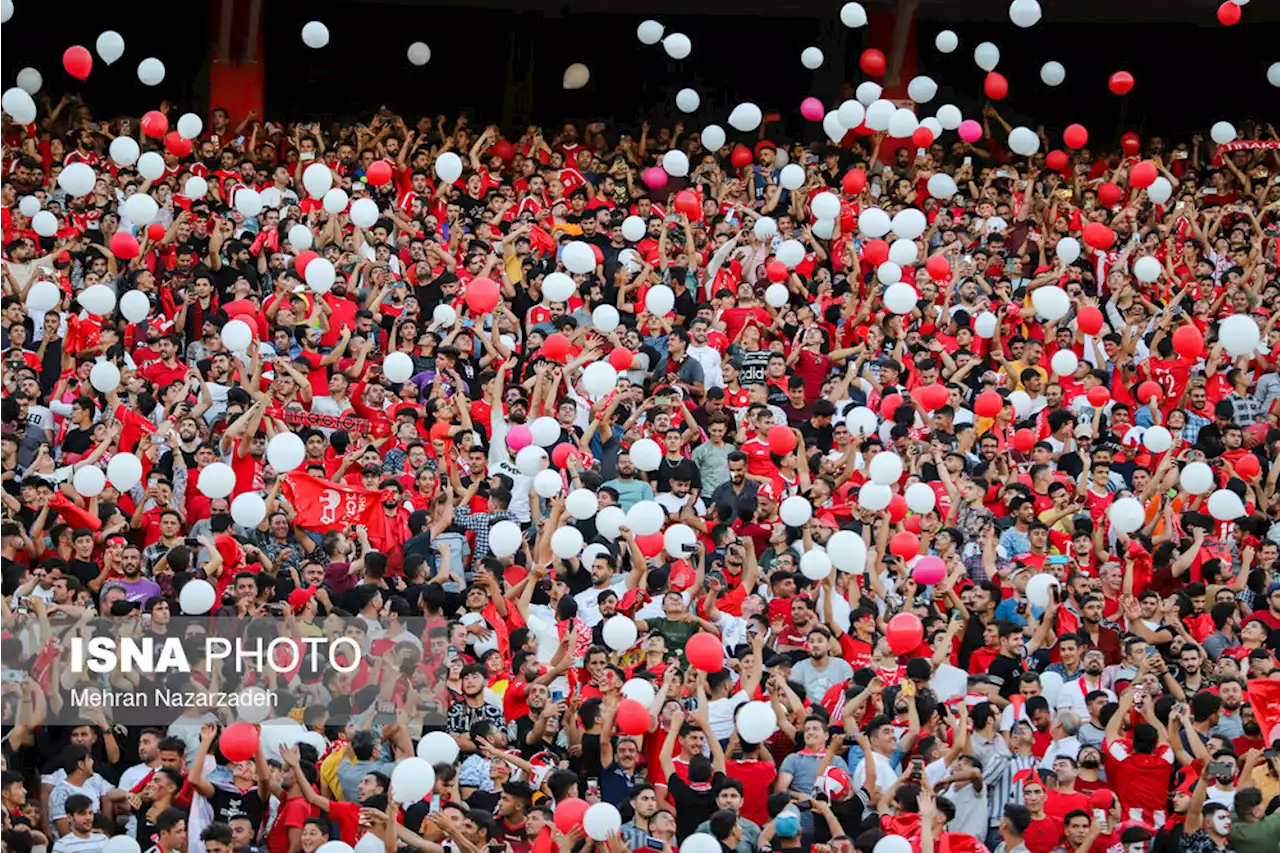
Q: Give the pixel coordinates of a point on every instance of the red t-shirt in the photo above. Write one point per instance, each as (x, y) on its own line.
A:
(293, 812)
(1146, 777)
(1043, 835)
(757, 781)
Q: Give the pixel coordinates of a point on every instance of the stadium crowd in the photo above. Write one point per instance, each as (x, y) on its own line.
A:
(712, 528)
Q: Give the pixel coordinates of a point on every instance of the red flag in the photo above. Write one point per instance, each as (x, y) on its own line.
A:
(324, 506)
(1264, 696)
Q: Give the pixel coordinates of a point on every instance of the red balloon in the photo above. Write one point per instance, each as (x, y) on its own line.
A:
(1090, 320)
(1248, 466)
(1056, 160)
(155, 124)
(1121, 82)
(912, 523)
(1098, 397)
(503, 150)
(1130, 143)
(988, 404)
(1143, 174)
(875, 252)
(741, 157)
(239, 307)
(781, 440)
(597, 253)
(650, 545)
(304, 258)
(78, 61)
(482, 295)
(239, 741)
(889, 405)
(1099, 236)
(1024, 440)
(904, 633)
(556, 347)
(378, 173)
(1149, 390)
(995, 86)
(922, 137)
(561, 452)
(621, 358)
(935, 397)
(124, 246)
(632, 718)
(704, 653)
(939, 268)
(176, 145)
(897, 508)
(1109, 194)
(1188, 342)
(156, 232)
(776, 271)
(904, 545)
(872, 62)
(687, 202)
(1076, 136)
(569, 814)
(1228, 14)
(854, 181)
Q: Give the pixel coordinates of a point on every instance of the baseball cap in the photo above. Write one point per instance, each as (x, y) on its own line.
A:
(299, 597)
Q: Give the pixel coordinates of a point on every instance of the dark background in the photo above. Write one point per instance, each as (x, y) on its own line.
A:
(1190, 70)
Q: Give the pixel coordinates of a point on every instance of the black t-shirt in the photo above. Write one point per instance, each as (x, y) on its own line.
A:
(485, 801)
(229, 804)
(693, 805)
(847, 812)
(83, 570)
(1009, 671)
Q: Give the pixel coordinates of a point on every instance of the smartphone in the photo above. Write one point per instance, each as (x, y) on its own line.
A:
(803, 805)
(662, 401)
(557, 696)
(497, 848)
(1219, 769)
(653, 843)
(307, 155)
(968, 161)
(887, 170)
(593, 784)
(191, 543)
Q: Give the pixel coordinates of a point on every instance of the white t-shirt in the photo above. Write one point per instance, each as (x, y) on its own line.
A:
(589, 602)
(720, 714)
(885, 774)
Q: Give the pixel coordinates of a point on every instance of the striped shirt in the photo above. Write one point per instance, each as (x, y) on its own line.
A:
(72, 843)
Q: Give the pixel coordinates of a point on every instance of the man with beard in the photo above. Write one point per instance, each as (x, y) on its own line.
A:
(1074, 694)
(394, 532)
(1191, 659)
(472, 709)
(136, 588)
(603, 569)
(1230, 723)
(1252, 738)
(629, 489)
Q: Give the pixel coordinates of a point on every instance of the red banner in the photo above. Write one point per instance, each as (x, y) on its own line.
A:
(1264, 696)
(323, 506)
(347, 423)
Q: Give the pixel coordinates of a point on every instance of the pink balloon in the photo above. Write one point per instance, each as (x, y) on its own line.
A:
(928, 570)
(970, 130)
(519, 436)
(654, 177)
(812, 109)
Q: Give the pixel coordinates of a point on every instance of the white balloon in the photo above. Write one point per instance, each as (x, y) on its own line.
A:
(712, 137)
(646, 455)
(791, 177)
(1024, 13)
(124, 151)
(942, 186)
(745, 117)
(576, 76)
(1225, 505)
(861, 421)
(189, 125)
(317, 179)
(1157, 439)
(874, 222)
(687, 100)
(1023, 141)
(790, 253)
(6, 12)
(320, 274)
(1273, 74)
(815, 565)
(110, 46)
(847, 551)
(196, 187)
(1146, 269)
(44, 223)
(620, 633)
(920, 498)
(141, 209)
(825, 205)
(249, 203)
(909, 223)
(675, 164)
(397, 367)
(609, 522)
(29, 80)
(77, 179)
(868, 92)
(364, 211)
(151, 166)
(1239, 334)
(823, 229)
(987, 56)
(578, 257)
(196, 598)
(98, 299)
(795, 511)
(124, 471)
(639, 689)
(949, 116)
(1051, 302)
(558, 287)
(600, 378)
(601, 820)
(418, 53)
(890, 274)
(646, 518)
(530, 459)
(286, 452)
(504, 538)
(902, 123)
(885, 468)
(151, 71)
(1196, 478)
(899, 297)
(678, 539)
(946, 41)
(1052, 73)
(104, 377)
(833, 127)
(248, 510)
(879, 114)
(650, 32)
(765, 228)
(677, 45)
(581, 503)
(1021, 402)
(1126, 515)
(1160, 191)
(1068, 249)
(605, 318)
(1038, 589)
(984, 326)
(315, 35)
(216, 480)
(237, 335)
(334, 201)
(1222, 132)
(811, 58)
(852, 15)
(874, 497)
(89, 481)
(412, 780)
(29, 206)
(438, 748)
(43, 295)
(922, 89)
(566, 542)
(660, 300)
(546, 432)
(634, 229)
(777, 295)
(18, 104)
(851, 113)
(1064, 362)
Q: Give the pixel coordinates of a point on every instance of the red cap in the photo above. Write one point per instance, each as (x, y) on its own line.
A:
(299, 597)
(763, 144)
